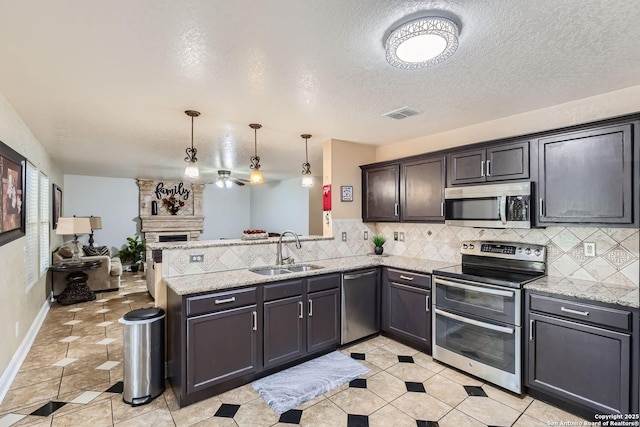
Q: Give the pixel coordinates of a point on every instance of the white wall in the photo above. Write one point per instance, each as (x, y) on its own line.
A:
(19, 306)
(279, 206)
(113, 199)
(226, 212)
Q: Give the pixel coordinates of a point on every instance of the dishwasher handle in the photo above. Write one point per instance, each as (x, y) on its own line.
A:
(358, 275)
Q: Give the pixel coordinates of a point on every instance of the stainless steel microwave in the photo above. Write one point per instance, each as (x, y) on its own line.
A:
(489, 205)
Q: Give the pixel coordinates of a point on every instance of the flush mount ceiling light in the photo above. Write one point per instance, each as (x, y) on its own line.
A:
(307, 179)
(255, 177)
(191, 171)
(422, 42)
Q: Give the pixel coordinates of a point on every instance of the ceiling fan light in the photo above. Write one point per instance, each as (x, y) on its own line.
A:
(191, 171)
(421, 43)
(220, 183)
(307, 181)
(228, 183)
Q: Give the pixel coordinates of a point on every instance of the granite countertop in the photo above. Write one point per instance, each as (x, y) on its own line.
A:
(626, 295)
(191, 244)
(191, 284)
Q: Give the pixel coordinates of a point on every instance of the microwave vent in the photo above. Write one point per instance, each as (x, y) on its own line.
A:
(402, 113)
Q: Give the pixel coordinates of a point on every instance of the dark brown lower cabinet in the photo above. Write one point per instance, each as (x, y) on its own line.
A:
(581, 354)
(406, 307)
(323, 321)
(209, 360)
(284, 331)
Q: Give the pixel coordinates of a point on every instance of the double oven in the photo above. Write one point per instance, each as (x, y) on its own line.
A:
(477, 309)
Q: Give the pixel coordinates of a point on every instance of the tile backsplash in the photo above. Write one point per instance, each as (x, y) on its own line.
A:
(616, 261)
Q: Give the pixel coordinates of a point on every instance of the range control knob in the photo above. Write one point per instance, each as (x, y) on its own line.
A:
(465, 246)
(537, 252)
(519, 250)
(527, 251)
(471, 246)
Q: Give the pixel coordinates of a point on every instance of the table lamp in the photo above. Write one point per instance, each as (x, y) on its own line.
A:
(74, 226)
(96, 224)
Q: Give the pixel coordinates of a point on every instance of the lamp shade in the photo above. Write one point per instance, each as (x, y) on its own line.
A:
(73, 225)
(96, 222)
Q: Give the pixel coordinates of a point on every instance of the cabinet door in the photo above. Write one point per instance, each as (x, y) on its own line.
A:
(509, 161)
(381, 194)
(221, 346)
(408, 313)
(579, 363)
(586, 177)
(467, 167)
(323, 320)
(284, 337)
(422, 189)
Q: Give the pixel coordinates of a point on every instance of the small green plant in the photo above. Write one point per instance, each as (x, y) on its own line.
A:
(132, 252)
(378, 241)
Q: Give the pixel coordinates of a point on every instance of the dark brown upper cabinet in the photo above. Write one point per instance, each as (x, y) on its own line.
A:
(381, 193)
(422, 185)
(496, 163)
(409, 191)
(587, 176)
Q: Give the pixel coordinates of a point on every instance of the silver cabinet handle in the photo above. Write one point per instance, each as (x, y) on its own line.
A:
(568, 310)
(359, 275)
(224, 301)
(254, 320)
(396, 209)
(409, 278)
(484, 325)
(531, 329)
(300, 310)
(541, 207)
(441, 208)
(488, 167)
(503, 208)
(426, 303)
(310, 307)
(482, 168)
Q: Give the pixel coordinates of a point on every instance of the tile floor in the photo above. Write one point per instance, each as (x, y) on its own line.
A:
(72, 376)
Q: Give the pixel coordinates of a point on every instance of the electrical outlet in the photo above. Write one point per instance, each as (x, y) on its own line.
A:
(196, 258)
(589, 249)
(344, 236)
(366, 235)
(395, 236)
(401, 236)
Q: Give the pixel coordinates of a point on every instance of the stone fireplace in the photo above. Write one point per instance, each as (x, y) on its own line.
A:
(157, 221)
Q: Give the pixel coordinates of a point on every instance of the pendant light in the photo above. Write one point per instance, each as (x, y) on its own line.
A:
(255, 177)
(307, 179)
(191, 171)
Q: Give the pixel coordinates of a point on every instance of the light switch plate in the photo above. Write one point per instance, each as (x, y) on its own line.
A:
(366, 235)
(589, 249)
(395, 236)
(401, 236)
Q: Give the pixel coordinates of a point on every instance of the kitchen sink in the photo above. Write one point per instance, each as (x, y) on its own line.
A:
(302, 267)
(294, 268)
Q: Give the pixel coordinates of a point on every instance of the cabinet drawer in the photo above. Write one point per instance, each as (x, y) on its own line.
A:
(415, 279)
(322, 283)
(282, 290)
(604, 316)
(220, 301)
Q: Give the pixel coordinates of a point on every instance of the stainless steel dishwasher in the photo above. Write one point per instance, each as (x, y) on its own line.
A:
(360, 316)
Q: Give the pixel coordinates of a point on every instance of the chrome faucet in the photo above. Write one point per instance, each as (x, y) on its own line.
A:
(288, 260)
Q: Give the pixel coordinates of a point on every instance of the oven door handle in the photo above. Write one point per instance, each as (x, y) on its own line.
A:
(503, 208)
(482, 290)
(483, 325)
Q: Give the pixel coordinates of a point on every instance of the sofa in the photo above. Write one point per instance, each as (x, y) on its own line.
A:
(104, 278)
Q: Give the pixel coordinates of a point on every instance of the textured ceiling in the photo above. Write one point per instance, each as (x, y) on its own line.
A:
(103, 85)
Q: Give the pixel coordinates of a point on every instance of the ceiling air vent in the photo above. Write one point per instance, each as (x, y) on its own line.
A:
(402, 113)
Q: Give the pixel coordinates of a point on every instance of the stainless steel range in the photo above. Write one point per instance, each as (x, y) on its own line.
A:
(477, 315)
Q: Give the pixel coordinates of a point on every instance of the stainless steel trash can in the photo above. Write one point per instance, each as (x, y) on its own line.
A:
(143, 355)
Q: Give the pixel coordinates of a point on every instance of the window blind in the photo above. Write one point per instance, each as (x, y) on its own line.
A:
(31, 216)
(45, 214)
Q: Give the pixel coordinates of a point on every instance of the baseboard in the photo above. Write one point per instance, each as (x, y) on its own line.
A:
(16, 361)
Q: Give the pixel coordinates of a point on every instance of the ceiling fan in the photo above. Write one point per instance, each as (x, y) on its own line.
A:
(225, 180)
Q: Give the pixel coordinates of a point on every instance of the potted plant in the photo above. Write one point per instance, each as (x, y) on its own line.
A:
(378, 241)
(132, 252)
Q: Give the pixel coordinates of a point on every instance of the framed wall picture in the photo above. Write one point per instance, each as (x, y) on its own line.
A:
(12, 190)
(56, 206)
(346, 193)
